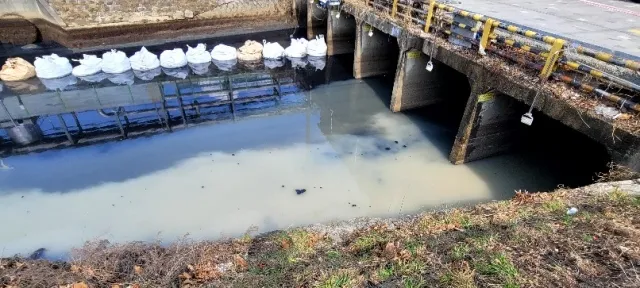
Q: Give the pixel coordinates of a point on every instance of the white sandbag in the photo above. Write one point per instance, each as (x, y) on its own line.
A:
(297, 62)
(200, 68)
(225, 65)
(272, 50)
(198, 55)
(148, 75)
(297, 49)
(273, 63)
(319, 62)
(115, 62)
(124, 78)
(144, 60)
(59, 83)
(250, 51)
(95, 78)
(17, 69)
(180, 73)
(224, 53)
(52, 66)
(173, 58)
(89, 65)
(317, 47)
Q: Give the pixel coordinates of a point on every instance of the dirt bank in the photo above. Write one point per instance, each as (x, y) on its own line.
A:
(17, 31)
(529, 241)
(162, 32)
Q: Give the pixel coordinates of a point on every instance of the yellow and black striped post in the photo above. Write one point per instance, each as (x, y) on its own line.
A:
(429, 19)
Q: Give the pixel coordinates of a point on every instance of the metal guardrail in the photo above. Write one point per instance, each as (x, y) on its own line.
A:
(552, 53)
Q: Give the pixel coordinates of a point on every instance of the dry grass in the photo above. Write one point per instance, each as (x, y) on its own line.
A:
(529, 241)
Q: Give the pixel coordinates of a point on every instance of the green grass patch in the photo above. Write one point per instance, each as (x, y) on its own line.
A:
(553, 206)
(499, 266)
(367, 242)
(413, 282)
(459, 251)
(338, 280)
(386, 272)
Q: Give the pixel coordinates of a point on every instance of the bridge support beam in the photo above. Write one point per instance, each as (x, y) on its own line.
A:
(372, 53)
(316, 20)
(414, 86)
(341, 33)
(490, 126)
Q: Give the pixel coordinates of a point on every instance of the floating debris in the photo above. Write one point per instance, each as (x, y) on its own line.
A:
(300, 191)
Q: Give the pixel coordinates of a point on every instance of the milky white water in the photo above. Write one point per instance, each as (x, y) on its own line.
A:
(220, 179)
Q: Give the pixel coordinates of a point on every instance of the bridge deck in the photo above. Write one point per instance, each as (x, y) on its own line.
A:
(613, 25)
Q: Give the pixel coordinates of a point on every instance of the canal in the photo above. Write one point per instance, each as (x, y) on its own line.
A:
(269, 146)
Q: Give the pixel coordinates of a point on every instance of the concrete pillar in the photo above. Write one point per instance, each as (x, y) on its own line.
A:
(341, 33)
(490, 125)
(373, 54)
(316, 20)
(414, 86)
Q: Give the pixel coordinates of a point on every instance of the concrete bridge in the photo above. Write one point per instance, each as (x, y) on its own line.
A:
(503, 70)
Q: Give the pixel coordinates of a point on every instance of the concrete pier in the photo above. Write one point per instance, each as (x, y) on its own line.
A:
(341, 33)
(375, 54)
(316, 20)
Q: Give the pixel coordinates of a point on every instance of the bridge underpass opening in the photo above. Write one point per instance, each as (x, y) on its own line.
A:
(491, 126)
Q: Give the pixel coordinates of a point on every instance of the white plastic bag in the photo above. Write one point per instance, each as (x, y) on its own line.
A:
(148, 75)
(115, 62)
(317, 47)
(273, 63)
(59, 83)
(124, 78)
(198, 55)
(95, 78)
(297, 62)
(52, 66)
(224, 53)
(17, 69)
(272, 50)
(144, 60)
(200, 68)
(89, 65)
(173, 58)
(180, 73)
(297, 49)
(250, 51)
(226, 65)
(318, 62)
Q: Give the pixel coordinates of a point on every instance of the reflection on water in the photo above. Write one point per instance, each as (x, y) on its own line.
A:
(238, 168)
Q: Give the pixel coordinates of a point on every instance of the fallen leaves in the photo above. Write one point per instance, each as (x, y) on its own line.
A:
(239, 263)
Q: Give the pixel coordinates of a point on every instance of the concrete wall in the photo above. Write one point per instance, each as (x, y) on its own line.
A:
(83, 13)
(29, 9)
(490, 126)
(374, 55)
(341, 33)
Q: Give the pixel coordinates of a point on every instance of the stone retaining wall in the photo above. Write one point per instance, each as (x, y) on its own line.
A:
(88, 13)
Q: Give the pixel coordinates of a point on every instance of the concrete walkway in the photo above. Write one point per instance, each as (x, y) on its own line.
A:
(612, 25)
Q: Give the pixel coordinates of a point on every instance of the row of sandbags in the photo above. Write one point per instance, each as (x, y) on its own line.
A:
(114, 62)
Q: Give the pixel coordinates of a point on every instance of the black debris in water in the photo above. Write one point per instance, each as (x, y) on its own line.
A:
(300, 191)
(404, 146)
(282, 186)
(353, 205)
(388, 148)
(233, 154)
(22, 196)
(114, 205)
(38, 254)
(320, 187)
(396, 142)
(202, 187)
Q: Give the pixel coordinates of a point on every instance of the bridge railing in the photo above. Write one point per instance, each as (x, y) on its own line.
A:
(535, 50)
